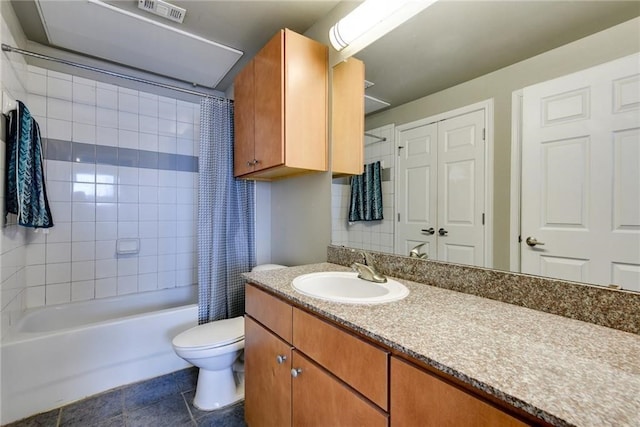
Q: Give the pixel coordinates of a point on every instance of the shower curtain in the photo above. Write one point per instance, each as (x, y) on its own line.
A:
(225, 217)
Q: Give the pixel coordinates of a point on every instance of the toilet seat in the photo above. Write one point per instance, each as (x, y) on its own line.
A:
(211, 335)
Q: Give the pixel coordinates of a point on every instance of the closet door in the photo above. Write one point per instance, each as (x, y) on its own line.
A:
(461, 189)
(417, 189)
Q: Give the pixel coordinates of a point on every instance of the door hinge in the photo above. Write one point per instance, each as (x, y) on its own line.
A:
(483, 219)
(398, 216)
(484, 133)
(520, 239)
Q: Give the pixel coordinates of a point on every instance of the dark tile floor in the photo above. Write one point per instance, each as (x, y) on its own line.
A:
(158, 402)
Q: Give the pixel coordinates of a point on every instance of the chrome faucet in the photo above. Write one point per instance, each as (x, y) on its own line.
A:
(415, 252)
(367, 271)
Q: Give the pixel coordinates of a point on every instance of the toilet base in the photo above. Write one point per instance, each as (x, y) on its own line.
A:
(217, 389)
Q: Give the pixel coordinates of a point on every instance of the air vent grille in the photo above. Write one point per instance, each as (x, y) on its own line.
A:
(164, 9)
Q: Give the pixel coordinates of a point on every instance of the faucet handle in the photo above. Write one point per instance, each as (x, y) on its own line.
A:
(367, 258)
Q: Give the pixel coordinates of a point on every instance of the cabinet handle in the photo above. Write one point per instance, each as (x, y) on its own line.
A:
(280, 359)
(256, 161)
(295, 372)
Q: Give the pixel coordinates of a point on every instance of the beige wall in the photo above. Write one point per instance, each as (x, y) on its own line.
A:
(616, 42)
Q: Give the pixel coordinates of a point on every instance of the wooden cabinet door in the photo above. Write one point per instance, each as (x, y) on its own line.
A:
(244, 121)
(269, 104)
(420, 399)
(347, 118)
(267, 381)
(319, 399)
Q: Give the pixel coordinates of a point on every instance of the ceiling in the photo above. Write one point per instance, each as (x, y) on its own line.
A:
(447, 44)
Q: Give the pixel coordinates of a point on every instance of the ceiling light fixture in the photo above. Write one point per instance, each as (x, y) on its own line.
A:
(370, 21)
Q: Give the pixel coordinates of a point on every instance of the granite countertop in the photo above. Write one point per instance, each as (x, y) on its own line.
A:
(564, 371)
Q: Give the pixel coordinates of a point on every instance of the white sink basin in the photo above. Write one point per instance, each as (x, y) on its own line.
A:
(346, 287)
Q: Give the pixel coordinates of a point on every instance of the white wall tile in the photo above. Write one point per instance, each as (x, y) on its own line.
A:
(58, 273)
(35, 296)
(83, 211)
(37, 83)
(128, 212)
(106, 174)
(58, 252)
(35, 254)
(127, 176)
(106, 193)
(82, 251)
(83, 172)
(127, 102)
(57, 293)
(148, 142)
(83, 232)
(83, 113)
(58, 88)
(148, 105)
(128, 139)
(83, 93)
(35, 275)
(61, 232)
(106, 98)
(37, 105)
(83, 133)
(83, 192)
(59, 129)
(147, 282)
(167, 109)
(106, 287)
(128, 121)
(82, 291)
(106, 268)
(57, 170)
(106, 212)
(127, 229)
(107, 230)
(61, 212)
(127, 194)
(107, 136)
(106, 117)
(106, 249)
(82, 270)
(127, 285)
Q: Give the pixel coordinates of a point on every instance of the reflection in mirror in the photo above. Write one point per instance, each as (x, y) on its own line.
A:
(425, 70)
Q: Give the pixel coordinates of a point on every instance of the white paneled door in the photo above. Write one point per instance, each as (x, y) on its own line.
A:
(581, 176)
(441, 188)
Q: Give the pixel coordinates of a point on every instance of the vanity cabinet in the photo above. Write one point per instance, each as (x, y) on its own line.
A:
(347, 118)
(419, 398)
(280, 113)
(303, 371)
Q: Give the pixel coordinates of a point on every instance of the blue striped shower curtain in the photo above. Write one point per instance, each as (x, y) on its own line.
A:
(225, 217)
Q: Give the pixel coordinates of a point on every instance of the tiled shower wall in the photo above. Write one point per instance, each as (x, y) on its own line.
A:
(13, 72)
(120, 164)
(369, 235)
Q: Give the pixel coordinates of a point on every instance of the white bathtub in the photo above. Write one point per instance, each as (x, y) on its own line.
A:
(59, 354)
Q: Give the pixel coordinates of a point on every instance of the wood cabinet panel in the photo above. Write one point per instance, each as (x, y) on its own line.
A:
(267, 382)
(321, 400)
(347, 118)
(288, 109)
(420, 399)
(358, 363)
(243, 149)
(269, 103)
(306, 78)
(272, 312)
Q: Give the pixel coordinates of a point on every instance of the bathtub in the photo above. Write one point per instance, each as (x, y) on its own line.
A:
(59, 354)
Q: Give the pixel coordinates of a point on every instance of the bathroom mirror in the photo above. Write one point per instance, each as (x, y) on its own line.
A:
(441, 61)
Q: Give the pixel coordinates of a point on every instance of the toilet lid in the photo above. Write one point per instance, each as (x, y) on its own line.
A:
(212, 334)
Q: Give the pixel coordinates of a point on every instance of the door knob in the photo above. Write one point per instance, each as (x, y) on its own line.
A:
(428, 231)
(295, 372)
(280, 359)
(532, 241)
(442, 232)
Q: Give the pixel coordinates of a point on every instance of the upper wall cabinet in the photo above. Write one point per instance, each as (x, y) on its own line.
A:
(281, 109)
(347, 113)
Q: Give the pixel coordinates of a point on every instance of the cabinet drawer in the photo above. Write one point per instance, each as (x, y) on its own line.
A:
(272, 312)
(321, 400)
(356, 362)
(421, 399)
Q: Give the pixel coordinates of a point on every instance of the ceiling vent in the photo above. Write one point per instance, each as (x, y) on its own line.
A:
(164, 9)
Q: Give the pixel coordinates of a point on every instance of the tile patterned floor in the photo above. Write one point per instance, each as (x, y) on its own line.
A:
(164, 401)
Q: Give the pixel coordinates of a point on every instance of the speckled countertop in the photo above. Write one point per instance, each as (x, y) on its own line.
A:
(564, 371)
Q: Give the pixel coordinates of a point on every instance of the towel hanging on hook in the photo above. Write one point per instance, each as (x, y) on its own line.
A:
(26, 193)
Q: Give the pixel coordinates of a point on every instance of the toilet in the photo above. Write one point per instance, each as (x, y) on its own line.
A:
(216, 348)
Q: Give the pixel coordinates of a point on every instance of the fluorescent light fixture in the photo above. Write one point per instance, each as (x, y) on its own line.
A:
(370, 21)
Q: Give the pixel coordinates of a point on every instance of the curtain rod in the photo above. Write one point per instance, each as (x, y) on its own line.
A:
(7, 48)
(379, 138)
